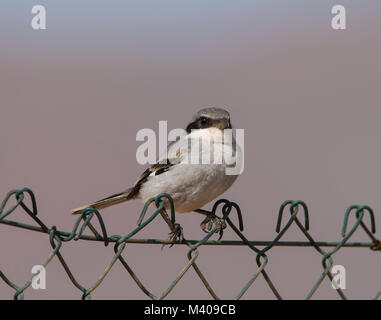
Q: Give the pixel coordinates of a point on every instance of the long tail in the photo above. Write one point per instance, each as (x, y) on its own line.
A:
(107, 202)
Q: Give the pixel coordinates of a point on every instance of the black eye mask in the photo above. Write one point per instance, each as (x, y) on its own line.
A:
(203, 123)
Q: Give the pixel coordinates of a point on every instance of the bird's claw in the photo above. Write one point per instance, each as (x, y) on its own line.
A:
(210, 220)
(176, 234)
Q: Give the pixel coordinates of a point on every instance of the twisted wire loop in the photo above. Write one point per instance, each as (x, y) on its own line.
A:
(163, 203)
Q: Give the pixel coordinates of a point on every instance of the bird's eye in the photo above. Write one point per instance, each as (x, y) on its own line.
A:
(203, 120)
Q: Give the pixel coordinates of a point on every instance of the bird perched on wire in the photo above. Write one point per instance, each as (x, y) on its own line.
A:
(193, 170)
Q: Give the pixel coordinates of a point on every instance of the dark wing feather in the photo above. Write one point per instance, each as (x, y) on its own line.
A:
(157, 168)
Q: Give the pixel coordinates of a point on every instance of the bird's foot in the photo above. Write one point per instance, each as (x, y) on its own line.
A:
(210, 220)
(176, 234)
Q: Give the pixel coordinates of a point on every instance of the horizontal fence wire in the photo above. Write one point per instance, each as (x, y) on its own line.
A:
(57, 238)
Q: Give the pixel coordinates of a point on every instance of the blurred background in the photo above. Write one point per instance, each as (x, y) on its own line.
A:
(73, 97)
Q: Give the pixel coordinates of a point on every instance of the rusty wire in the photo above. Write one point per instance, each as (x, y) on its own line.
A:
(57, 238)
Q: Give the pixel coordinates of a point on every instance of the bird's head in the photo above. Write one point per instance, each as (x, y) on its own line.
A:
(210, 117)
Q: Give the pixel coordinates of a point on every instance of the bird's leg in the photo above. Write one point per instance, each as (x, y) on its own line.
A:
(176, 233)
(210, 220)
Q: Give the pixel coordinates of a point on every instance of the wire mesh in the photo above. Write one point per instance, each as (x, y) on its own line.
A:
(57, 238)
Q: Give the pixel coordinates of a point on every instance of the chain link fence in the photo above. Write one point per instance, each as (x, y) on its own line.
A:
(227, 209)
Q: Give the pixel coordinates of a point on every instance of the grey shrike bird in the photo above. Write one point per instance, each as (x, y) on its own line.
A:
(179, 172)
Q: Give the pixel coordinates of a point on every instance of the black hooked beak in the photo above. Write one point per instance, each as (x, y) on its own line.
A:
(222, 124)
(225, 124)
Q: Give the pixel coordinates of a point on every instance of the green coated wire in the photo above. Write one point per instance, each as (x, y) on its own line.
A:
(162, 201)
